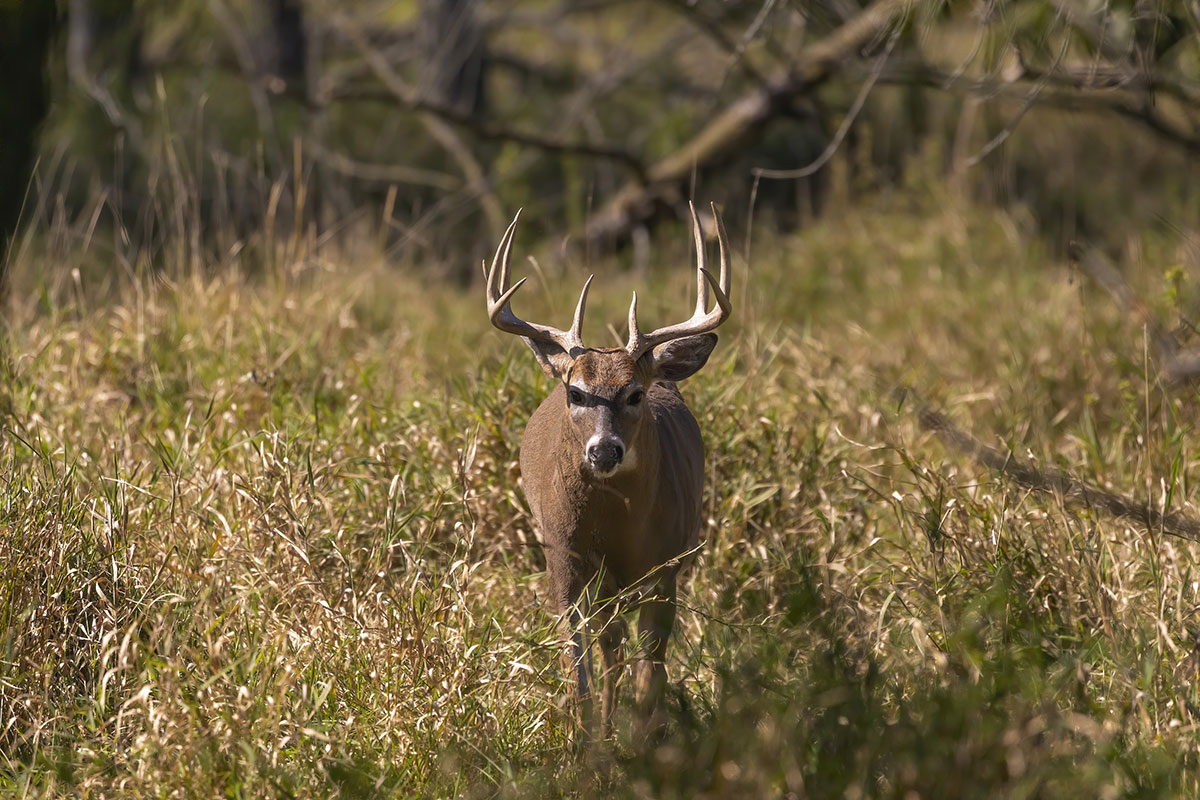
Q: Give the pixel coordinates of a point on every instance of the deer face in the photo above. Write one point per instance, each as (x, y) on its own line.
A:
(606, 398)
(606, 405)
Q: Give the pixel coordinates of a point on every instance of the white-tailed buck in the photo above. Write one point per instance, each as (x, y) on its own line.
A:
(613, 466)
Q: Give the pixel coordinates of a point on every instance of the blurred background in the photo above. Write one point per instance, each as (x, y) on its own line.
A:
(262, 531)
(420, 127)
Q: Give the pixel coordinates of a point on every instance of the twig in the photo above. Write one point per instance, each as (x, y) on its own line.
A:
(484, 130)
(1030, 99)
(450, 141)
(840, 135)
(79, 73)
(712, 30)
(741, 119)
(383, 173)
(1069, 96)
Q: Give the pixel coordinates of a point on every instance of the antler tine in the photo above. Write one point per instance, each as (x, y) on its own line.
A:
(701, 321)
(635, 335)
(499, 294)
(723, 244)
(577, 321)
(494, 289)
(701, 261)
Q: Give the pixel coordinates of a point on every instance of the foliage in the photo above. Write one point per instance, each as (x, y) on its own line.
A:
(433, 118)
(261, 529)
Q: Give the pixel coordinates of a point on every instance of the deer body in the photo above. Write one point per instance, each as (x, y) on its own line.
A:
(633, 522)
(612, 463)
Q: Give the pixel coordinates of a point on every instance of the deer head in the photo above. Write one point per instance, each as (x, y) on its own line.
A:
(606, 387)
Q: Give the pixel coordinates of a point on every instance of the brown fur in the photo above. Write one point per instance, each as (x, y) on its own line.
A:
(604, 536)
(603, 369)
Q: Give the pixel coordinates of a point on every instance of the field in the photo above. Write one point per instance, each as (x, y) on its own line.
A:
(262, 532)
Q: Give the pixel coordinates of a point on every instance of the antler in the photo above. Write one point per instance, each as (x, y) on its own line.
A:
(501, 314)
(702, 320)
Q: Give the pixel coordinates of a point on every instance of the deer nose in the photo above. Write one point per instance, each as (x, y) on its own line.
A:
(605, 455)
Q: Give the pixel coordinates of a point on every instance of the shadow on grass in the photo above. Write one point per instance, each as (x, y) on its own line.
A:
(998, 711)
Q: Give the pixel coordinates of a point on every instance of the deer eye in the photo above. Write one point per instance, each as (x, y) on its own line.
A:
(635, 398)
(574, 397)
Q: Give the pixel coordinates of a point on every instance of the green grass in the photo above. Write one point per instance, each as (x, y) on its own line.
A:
(262, 532)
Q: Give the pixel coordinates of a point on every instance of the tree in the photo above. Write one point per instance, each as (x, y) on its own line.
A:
(607, 114)
(26, 33)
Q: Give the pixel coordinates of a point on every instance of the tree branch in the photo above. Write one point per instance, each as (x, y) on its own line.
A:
(1128, 103)
(472, 170)
(79, 47)
(382, 173)
(1058, 482)
(838, 137)
(483, 129)
(742, 119)
(713, 31)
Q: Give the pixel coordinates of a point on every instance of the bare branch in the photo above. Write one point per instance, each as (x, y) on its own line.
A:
(483, 129)
(742, 119)
(79, 46)
(382, 173)
(549, 18)
(1070, 97)
(1071, 489)
(1001, 137)
(712, 30)
(840, 135)
(398, 91)
(472, 170)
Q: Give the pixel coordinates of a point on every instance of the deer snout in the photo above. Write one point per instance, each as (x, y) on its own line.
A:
(604, 455)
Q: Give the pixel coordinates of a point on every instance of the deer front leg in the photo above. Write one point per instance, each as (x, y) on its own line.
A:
(655, 621)
(580, 662)
(574, 592)
(612, 639)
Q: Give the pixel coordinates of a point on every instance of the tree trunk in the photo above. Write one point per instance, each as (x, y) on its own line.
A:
(451, 43)
(291, 46)
(26, 33)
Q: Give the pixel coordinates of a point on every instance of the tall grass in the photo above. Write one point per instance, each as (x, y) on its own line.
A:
(262, 532)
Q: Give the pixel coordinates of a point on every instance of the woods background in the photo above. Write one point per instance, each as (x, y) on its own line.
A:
(262, 529)
(414, 122)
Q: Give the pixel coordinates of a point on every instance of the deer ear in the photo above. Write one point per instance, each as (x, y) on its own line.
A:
(554, 361)
(680, 358)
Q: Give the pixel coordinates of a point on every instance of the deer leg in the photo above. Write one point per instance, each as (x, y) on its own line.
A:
(655, 620)
(574, 595)
(580, 604)
(612, 638)
(580, 662)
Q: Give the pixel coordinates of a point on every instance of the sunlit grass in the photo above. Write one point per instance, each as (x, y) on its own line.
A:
(263, 534)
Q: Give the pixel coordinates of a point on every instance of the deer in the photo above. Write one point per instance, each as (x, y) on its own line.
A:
(612, 463)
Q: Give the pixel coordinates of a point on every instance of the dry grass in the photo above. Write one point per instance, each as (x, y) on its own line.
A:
(262, 533)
